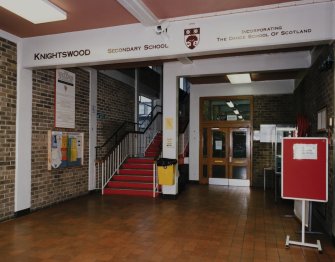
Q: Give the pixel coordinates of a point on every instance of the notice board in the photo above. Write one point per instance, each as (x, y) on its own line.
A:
(305, 169)
(66, 149)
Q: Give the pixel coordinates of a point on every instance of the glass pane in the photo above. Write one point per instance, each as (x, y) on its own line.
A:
(204, 171)
(206, 110)
(239, 172)
(218, 144)
(204, 142)
(239, 144)
(226, 109)
(218, 171)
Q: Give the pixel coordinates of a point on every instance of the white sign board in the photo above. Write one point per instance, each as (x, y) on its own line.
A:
(305, 151)
(267, 133)
(65, 103)
(266, 28)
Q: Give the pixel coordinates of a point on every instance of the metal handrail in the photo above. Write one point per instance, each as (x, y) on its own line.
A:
(150, 114)
(132, 144)
(122, 131)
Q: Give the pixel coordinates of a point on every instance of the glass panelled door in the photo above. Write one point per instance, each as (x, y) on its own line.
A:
(218, 153)
(225, 156)
(239, 161)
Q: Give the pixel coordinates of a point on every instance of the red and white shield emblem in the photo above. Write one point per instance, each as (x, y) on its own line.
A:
(192, 37)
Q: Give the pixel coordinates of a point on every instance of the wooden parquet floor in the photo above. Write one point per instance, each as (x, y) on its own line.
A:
(205, 223)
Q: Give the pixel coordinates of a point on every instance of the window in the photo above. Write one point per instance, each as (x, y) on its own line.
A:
(226, 109)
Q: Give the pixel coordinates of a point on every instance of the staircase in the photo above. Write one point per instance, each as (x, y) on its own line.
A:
(135, 177)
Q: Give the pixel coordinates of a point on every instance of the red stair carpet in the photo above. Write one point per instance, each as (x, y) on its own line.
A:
(135, 176)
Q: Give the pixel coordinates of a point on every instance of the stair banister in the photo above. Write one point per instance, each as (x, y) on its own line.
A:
(111, 163)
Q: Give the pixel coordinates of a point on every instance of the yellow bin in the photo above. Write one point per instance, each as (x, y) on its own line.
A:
(166, 175)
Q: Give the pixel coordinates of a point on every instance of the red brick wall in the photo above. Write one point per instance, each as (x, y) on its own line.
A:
(49, 187)
(269, 109)
(115, 104)
(316, 91)
(7, 127)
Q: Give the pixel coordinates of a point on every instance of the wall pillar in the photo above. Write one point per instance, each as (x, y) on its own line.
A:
(170, 122)
(92, 128)
(23, 136)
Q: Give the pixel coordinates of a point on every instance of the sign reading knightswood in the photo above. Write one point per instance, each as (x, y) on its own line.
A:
(192, 37)
(62, 54)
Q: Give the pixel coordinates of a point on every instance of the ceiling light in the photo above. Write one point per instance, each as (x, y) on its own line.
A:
(240, 117)
(185, 60)
(35, 11)
(239, 78)
(230, 104)
(140, 11)
(236, 112)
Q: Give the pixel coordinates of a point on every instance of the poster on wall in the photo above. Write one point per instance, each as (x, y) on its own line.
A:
(66, 149)
(267, 133)
(65, 94)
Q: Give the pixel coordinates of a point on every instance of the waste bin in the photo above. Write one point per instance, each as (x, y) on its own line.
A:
(166, 171)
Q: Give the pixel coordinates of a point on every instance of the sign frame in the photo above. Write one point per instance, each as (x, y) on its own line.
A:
(305, 177)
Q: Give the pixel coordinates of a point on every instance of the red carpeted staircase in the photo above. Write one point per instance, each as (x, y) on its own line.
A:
(155, 147)
(135, 176)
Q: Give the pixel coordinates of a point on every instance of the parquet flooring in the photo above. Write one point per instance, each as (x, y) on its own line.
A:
(205, 223)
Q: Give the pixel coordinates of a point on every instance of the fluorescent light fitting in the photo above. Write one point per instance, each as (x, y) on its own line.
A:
(140, 11)
(239, 78)
(240, 117)
(185, 60)
(230, 104)
(35, 11)
(236, 112)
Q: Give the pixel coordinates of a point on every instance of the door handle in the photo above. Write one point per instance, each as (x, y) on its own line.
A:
(218, 161)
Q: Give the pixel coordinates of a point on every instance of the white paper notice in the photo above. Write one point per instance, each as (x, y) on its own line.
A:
(218, 145)
(267, 133)
(305, 151)
(65, 99)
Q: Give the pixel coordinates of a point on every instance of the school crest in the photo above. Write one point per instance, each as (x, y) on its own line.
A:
(192, 37)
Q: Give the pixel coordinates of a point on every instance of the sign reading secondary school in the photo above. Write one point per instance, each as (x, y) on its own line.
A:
(136, 48)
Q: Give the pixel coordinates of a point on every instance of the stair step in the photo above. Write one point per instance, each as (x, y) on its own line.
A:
(133, 178)
(140, 172)
(154, 147)
(137, 166)
(151, 154)
(129, 192)
(130, 185)
(140, 160)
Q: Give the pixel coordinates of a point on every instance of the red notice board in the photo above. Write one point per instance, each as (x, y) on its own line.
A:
(305, 168)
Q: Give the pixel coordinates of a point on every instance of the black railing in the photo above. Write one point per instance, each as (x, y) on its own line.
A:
(123, 130)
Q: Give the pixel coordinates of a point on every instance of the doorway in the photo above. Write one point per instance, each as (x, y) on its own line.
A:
(225, 145)
(225, 158)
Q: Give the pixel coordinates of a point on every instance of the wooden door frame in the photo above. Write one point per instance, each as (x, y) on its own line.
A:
(224, 124)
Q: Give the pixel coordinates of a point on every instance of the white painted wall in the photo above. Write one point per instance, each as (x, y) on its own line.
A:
(197, 91)
(215, 34)
(23, 135)
(92, 140)
(170, 113)
(218, 66)
(22, 191)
